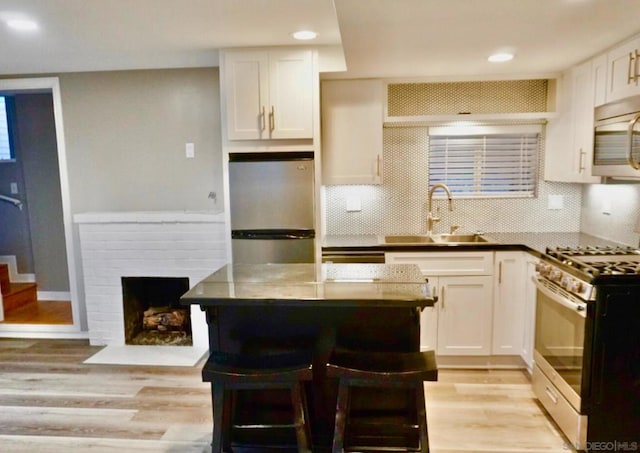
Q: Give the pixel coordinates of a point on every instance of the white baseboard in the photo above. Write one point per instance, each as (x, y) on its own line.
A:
(14, 276)
(44, 296)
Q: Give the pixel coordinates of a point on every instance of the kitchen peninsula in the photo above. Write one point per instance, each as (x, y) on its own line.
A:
(270, 307)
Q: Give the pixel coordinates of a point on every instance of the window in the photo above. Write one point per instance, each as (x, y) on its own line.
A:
(485, 161)
(5, 148)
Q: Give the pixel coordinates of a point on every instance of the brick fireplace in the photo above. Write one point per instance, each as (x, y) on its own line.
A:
(150, 244)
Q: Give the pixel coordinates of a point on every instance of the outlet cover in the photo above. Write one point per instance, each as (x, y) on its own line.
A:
(354, 204)
(555, 202)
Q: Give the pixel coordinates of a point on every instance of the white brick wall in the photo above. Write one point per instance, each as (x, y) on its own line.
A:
(115, 245)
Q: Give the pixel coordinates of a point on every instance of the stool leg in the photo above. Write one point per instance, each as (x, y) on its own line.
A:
(422, 418)
(300, 420)
(218, 415)
(342, 413)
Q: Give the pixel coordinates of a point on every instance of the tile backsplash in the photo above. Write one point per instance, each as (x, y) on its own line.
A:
(399, 205)
(611, 211)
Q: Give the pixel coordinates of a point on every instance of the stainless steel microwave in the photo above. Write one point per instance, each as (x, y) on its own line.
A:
(616, 145)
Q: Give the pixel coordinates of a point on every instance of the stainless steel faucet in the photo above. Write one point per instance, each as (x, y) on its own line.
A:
(431, 220)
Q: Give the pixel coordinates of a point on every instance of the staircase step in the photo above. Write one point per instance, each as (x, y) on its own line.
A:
(20, 295)
(4, 278)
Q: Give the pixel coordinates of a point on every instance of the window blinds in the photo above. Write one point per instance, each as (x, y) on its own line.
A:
(492, 165)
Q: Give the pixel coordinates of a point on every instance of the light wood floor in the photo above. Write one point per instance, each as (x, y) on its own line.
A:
(51, 402)
(44, 312)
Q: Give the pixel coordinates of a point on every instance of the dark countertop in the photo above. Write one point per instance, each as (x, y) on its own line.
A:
(532, 242)
(343, 285)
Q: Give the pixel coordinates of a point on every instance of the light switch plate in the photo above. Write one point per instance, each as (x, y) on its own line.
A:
(13, 188)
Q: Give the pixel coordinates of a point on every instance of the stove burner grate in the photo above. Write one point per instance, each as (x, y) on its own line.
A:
(599, 260)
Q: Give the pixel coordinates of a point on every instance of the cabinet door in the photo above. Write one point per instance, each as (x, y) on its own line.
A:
(464, 317)
(269, 94)
(290, 94)
(569, 142)
(599, 71)
(246, 90)
(429, 320)
(352, 119)
(582, 105)
(622, 65)
(528, 331)
(509, 302)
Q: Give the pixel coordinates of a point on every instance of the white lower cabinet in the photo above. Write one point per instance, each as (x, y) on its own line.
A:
(485, 308)
(464, 317)
(529, 327)
(508, 303)
(460, 322)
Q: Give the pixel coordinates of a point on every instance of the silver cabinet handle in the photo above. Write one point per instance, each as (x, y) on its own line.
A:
(264, 120)
(632, 124)
(378, 165)
(635, 67)
(272, 119)
(500, 273)
(581, 166)
(630, 67)
(442, 297)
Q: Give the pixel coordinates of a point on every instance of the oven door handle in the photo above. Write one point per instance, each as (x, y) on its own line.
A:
(579, 308)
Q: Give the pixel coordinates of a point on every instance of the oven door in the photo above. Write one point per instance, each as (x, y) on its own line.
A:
(560, 339)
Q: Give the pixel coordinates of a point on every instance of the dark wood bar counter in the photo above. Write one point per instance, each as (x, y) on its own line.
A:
(278, 307)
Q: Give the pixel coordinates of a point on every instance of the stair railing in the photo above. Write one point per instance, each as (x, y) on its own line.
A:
(14, 201)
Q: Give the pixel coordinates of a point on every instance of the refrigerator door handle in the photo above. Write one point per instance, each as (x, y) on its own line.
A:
(273, 233)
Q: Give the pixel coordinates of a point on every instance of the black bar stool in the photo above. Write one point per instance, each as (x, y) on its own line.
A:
(232, 372)
(383, 370)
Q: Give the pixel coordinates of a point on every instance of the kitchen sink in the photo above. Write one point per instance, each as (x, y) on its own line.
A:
(450, 239)
(464, 238)
(409, 239)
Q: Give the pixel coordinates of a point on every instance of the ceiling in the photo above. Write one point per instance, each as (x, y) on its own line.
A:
(376, 38)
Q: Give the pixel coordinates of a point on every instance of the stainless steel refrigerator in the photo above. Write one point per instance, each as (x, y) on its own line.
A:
(272, 207)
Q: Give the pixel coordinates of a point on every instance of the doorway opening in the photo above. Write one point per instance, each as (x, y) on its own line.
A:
(36, 233)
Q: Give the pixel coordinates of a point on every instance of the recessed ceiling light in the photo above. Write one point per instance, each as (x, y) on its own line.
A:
(500, 57)
(22, 24)
(304, 35)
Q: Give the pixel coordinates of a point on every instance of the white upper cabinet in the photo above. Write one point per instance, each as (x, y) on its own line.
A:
(269, 94)
(569, 145)
(623, 72)
(599, 72)
(352, 121)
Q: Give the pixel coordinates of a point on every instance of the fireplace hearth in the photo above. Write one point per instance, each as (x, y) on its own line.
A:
(152, 311)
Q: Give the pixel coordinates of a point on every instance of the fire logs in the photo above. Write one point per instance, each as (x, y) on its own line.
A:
(165, 319)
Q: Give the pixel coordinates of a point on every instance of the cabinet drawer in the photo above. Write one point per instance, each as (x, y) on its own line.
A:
(446, 263)
(572, 424)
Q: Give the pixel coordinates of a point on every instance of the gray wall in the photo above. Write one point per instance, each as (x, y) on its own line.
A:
(125, 136)
(35, 235)
(36, 138)
(15, 239)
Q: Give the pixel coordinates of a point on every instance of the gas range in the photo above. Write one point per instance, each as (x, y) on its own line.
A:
(579, 269)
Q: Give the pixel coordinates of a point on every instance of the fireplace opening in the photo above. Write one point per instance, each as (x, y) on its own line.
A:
(152, 311)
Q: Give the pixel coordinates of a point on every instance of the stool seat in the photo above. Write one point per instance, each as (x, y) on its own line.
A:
(382, 366)
(381, 369)
(258, 368)
(234, 372)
